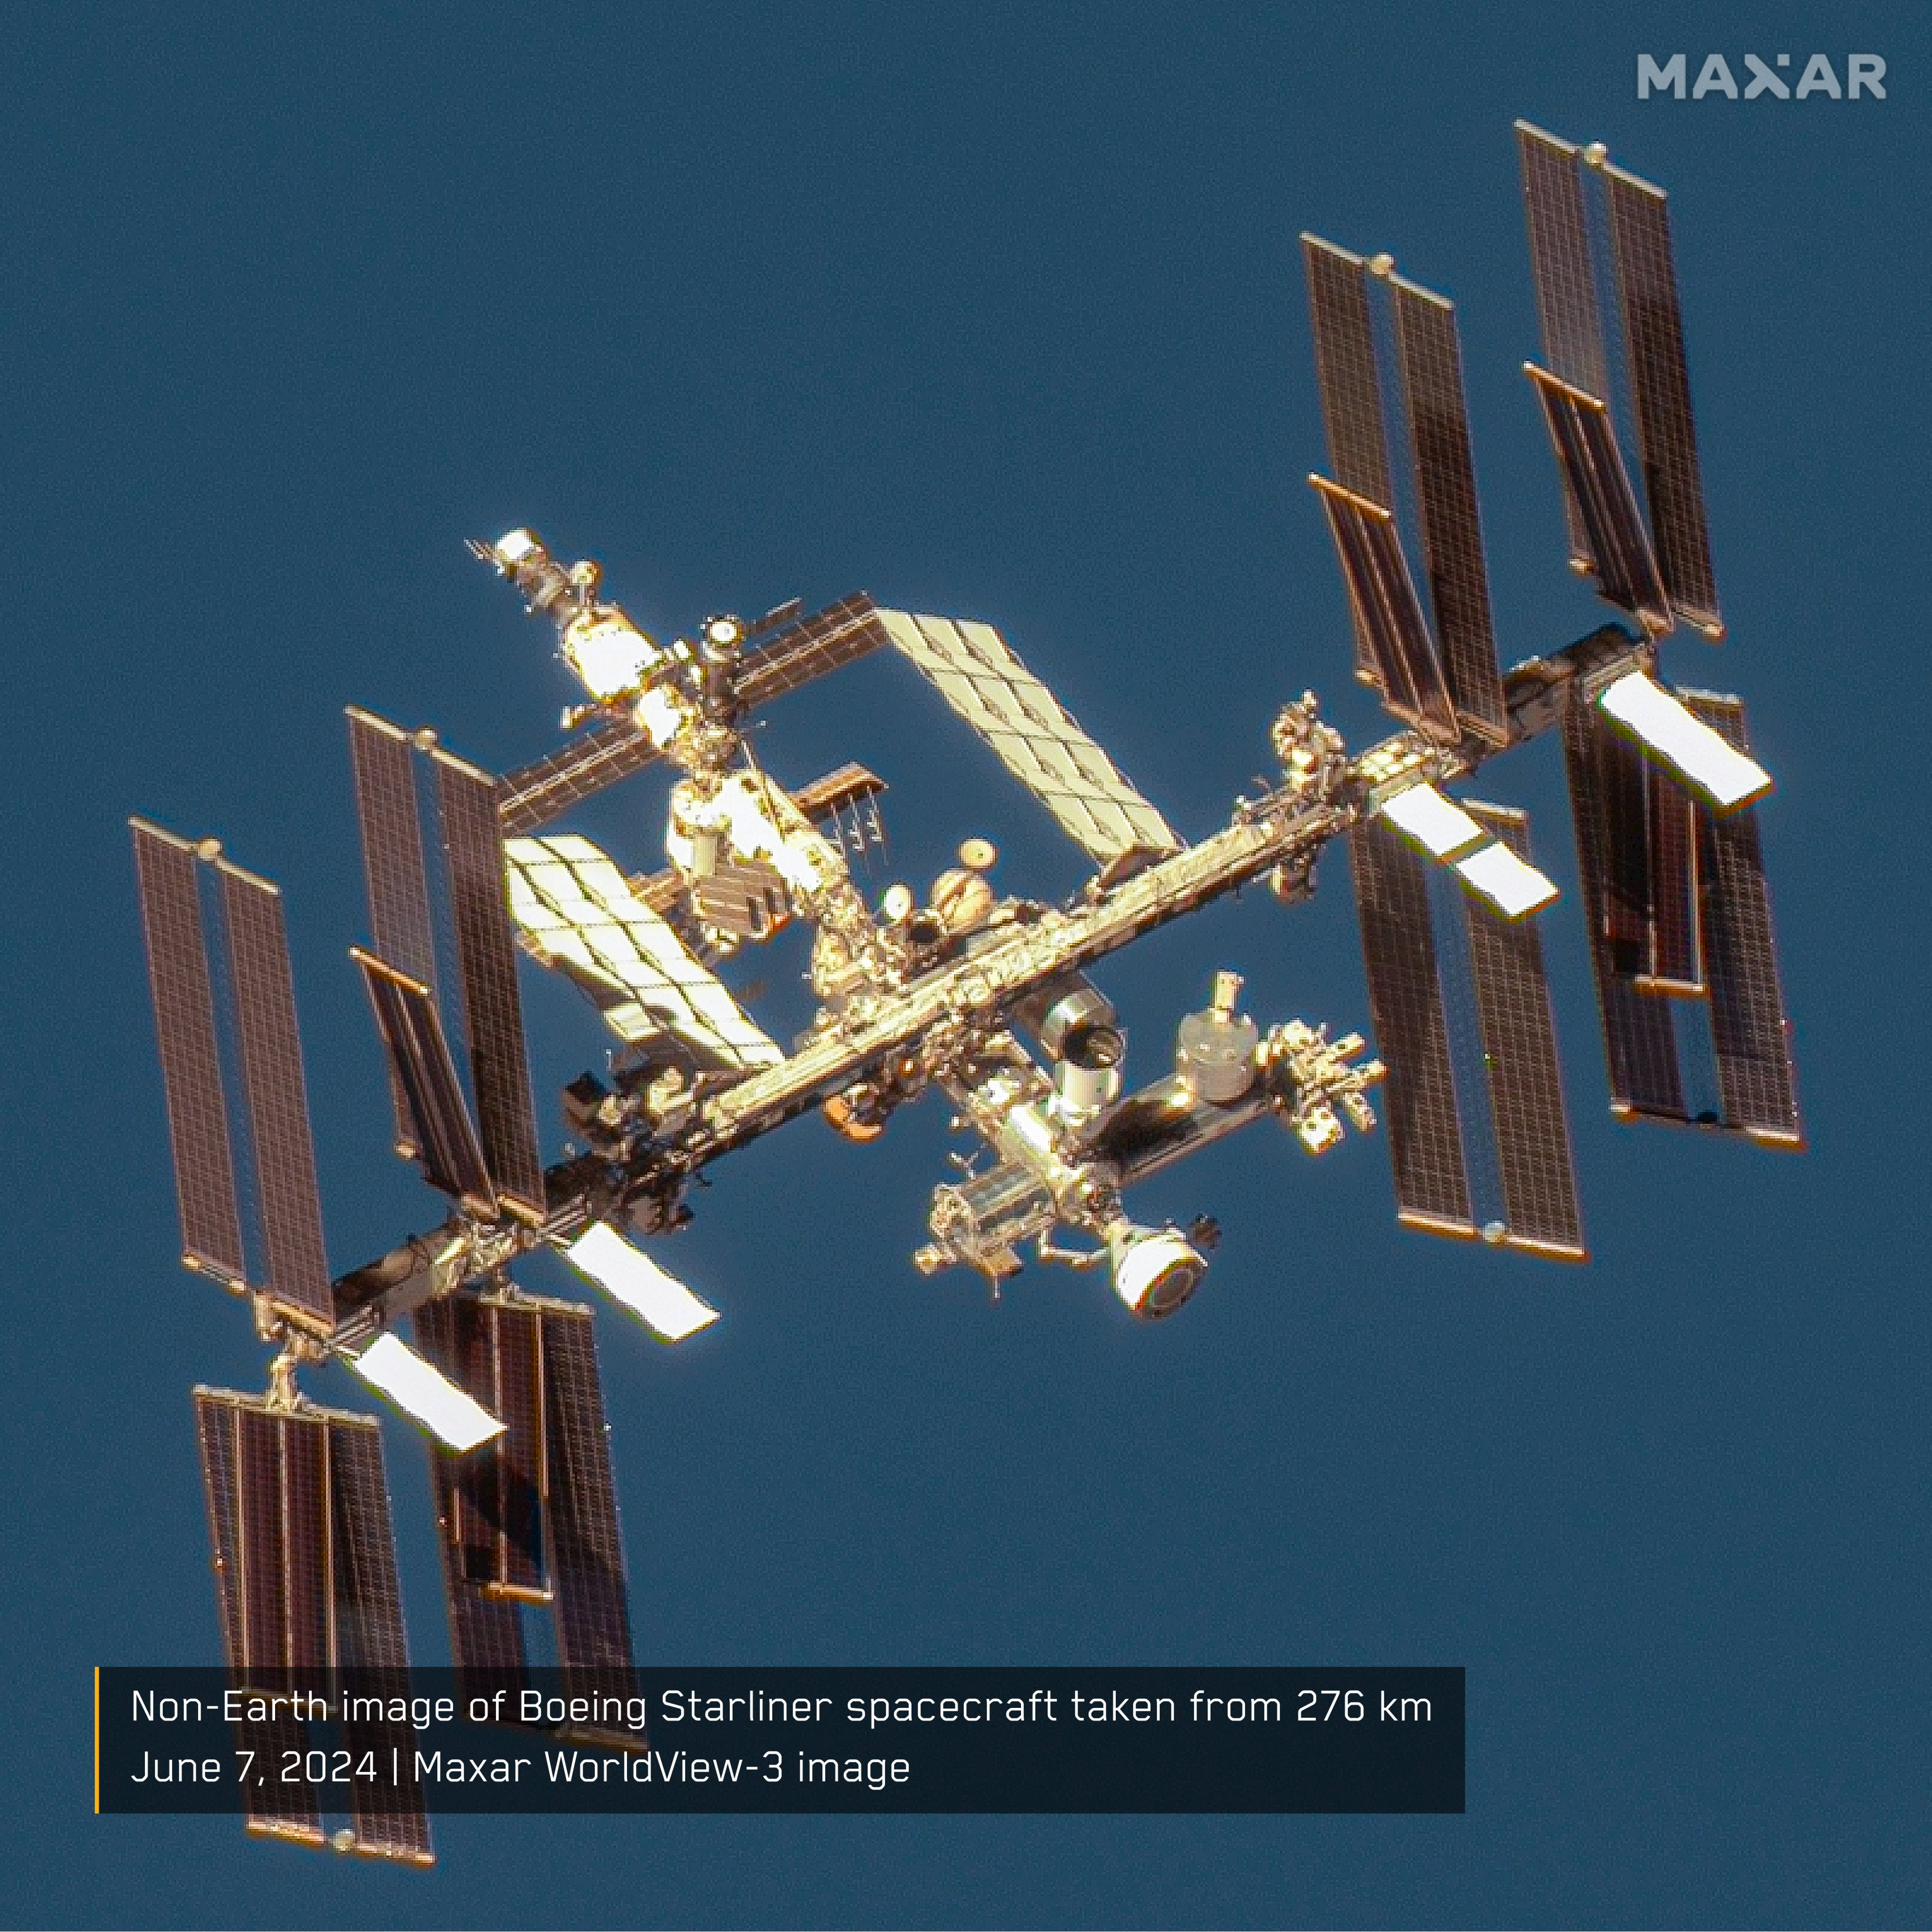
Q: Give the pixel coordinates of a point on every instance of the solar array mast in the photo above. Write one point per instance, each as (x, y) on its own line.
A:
(982, 998)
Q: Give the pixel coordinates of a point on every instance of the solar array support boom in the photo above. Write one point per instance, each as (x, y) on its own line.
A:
(954, 996)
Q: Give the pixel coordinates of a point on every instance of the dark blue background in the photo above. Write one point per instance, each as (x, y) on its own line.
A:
(994, 310)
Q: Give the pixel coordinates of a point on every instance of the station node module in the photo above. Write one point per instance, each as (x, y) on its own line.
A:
(989, 1000)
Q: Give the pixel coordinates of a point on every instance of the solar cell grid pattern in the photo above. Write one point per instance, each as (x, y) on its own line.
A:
(368, 1600)
(1616, 544)
(393, 872)
(298, 1266)
(1452, 528)
(1749, 1030)
(1036, 741)
(435, 1115)
(593, 1640)
(183, 1002)
(486, 955)
(266, 1473)
(536, 794)
(1344, 361)
(1525, 1087)
(498, 1491)
(393, 868)
(388, 1823)
(1411, 1031)
(485, 1633)
(1351, 396)
(575, 904)
(1568, 304)
(1566, 286)
(1660, 384)
(1388, 614)
(1673, 953)
(840, 634)
(1607, 784)
(284, 1808)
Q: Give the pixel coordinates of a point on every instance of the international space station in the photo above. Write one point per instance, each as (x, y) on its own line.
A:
(984, 999)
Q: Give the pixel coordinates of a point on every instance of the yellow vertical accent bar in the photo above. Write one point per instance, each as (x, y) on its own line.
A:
(97, 1741)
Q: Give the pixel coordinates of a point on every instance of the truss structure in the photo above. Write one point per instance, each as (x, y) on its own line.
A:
(984, 998)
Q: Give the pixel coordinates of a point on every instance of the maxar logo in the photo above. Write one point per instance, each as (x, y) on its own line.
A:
(1864, 76)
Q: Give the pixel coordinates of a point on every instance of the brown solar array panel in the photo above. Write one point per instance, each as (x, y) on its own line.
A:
(1565, 282)
(1749, 1029)
(297, 1266)
(538, 793)
(278, 1807)
(1411, 1031)
(305, 1570)
(393, 870)
(460, 1337)
(434, 1115)
(486, 959)
(747, 900)
(1518, 1036)
(393, 867)
(1608, 789)
(840, 635)
(1660, 386)
(1452, 528)
(1351, 395)
(1634, 883)
(533, 1517)
(1560, 259)
(1669, 956)
(491, 1501)
(1388, 614)
(373, 1657)
(266, 1472)
(184, 1000)
(845, 789)
(587, 1566)
(1615, 544)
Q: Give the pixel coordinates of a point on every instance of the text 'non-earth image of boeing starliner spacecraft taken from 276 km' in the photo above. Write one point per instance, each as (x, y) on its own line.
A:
(982, 996)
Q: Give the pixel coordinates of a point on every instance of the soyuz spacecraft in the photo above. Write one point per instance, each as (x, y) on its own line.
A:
(985, 998)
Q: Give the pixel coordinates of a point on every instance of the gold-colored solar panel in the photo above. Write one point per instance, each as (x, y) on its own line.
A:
(1036, 741)
(576, 908)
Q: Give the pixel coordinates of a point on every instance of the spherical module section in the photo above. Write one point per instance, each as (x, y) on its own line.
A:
(962, 900)
(1155, 1271)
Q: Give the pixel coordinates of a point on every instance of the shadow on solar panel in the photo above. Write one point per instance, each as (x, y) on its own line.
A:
(953, 984)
